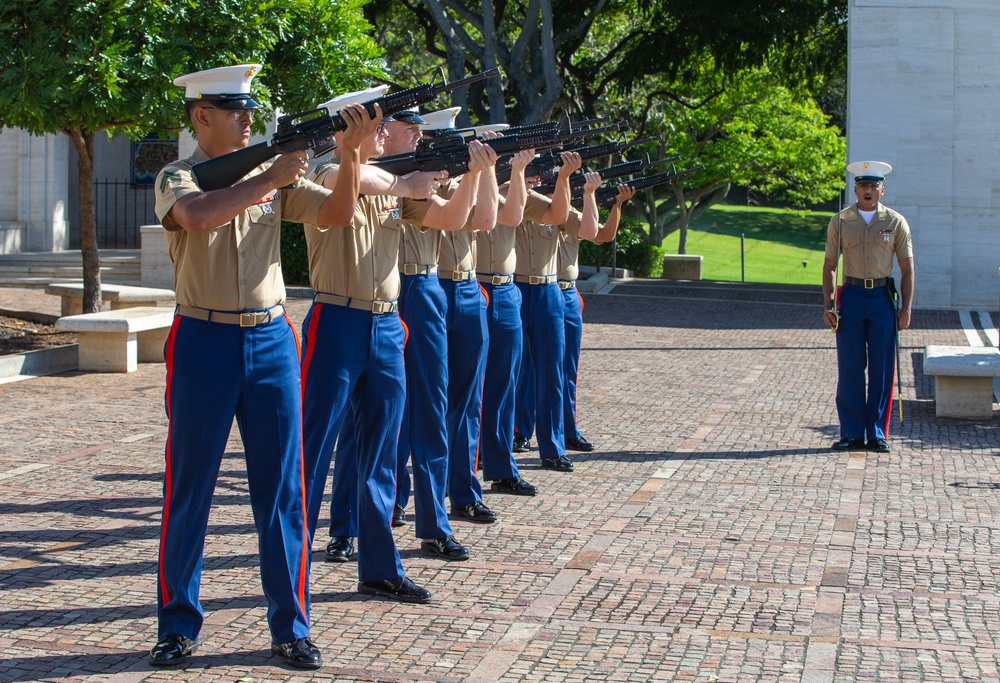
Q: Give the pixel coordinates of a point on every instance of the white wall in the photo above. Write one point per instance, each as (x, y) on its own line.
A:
(924, 95)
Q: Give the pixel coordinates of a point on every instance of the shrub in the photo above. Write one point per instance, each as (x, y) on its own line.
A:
(294, 258)
(634, 252)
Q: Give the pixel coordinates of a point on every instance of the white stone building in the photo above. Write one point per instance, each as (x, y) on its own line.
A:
(924, 95)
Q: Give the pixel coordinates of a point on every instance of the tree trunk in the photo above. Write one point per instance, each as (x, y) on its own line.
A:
(84, 144)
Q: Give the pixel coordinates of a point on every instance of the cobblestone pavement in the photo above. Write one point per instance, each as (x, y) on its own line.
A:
(713, 536)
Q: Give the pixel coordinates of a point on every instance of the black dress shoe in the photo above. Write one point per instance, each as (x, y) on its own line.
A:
(300, 653)
(401, 589)
(171, 650)
(849, 445)
(475, 512)
(579, 444)
(339, 549)
(397, 515)
(447, 548)
(522, 444)
(515, 485)
(878, 445)
(560, 464)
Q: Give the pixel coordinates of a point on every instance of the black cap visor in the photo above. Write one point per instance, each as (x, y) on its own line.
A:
(408, 116)
(868, 179)
(241, 101)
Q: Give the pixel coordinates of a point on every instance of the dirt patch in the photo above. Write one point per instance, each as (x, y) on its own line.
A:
(19, 336)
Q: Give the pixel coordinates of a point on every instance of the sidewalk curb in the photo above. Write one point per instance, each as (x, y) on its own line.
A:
(41, 362)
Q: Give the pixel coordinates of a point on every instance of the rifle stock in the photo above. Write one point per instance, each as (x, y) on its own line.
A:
(314, 129)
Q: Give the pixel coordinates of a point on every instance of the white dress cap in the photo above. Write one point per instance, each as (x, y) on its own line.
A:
(224, 80)
(441, 119)
(359, 97)
(873, 171)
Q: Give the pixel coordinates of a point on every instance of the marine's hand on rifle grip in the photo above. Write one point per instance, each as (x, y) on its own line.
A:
(287, 169)
(425, 184)
(521, 160)
(481, 156)
(571, 162)
(359, 124)
(592, 182)
(625, 193)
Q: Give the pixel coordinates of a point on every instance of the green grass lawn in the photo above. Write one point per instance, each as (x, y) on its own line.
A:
(782, 246)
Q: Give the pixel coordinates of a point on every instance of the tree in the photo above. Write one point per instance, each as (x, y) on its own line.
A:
(575, 53)
(754, 132)
(108, 65)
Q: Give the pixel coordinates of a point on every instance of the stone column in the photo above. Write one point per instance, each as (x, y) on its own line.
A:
(43, 191)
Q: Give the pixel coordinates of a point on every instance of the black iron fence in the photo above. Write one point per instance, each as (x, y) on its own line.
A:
(122, 207)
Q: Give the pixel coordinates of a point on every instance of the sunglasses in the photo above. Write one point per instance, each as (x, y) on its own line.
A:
(236, 114)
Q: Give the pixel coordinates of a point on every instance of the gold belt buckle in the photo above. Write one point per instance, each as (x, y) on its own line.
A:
(248, 319)
(498, 280)
(534, 280)
(382, 307)
(869, 283)
(459, 276)
(409, 269)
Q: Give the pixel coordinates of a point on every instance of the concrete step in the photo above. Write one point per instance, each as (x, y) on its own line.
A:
(37, 269)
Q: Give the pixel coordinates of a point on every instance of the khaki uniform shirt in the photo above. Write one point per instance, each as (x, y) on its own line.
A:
(458, 247)
(236, 266)
(868, 249)
(569, 257)
(358, 262)
(419, 246)
(537, 244)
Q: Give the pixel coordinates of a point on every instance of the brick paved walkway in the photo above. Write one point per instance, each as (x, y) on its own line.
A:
(712, 537)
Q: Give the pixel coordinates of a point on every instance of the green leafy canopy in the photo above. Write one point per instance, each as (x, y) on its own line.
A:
(109, 64)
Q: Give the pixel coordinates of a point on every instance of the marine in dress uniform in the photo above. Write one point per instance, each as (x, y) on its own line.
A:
(536, 244)
(868, 234)
(568, 263)
(424, 308)
(232, 351)
(467, 340)
(353, 356)
(495, 261)
(569, 270)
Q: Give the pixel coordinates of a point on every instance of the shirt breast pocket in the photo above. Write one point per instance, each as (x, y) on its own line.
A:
(264, 215)
(388, 218)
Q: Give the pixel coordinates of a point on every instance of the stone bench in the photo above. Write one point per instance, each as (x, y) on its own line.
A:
(120, 296)
(963, 384)
(117, 340)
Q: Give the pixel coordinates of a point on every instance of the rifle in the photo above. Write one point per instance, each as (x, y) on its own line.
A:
(314, 129)
(579, 179)
(546, 167)
(606, 195)
(451, 152)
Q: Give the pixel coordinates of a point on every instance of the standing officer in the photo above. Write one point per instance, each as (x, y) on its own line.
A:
(353, 354)
(232, 351)
(863, 314)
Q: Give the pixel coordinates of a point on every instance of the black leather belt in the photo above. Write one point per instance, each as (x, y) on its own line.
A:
(867, 283)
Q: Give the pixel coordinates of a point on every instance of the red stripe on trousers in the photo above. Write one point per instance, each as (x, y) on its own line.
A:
(304, 560)
(168, 356)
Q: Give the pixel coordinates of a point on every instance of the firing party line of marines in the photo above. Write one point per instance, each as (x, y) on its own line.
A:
(444, 332)
(427, 288)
